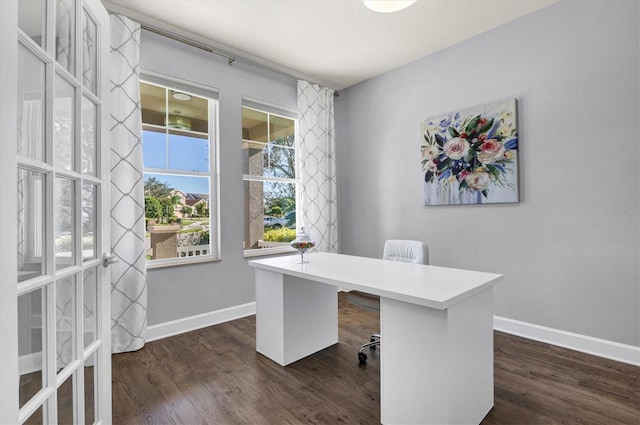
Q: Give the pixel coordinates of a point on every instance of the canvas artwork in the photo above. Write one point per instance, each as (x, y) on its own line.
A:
(471, 157)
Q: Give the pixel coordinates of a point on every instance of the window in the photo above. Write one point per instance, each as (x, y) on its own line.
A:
(179, 146)
(270, 178)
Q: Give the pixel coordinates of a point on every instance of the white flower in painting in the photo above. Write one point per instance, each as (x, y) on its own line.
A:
(431, 165)
(430, 152)
(456, 148)
(490, 151)
(478, 180)
(505, 115)
(505, 130)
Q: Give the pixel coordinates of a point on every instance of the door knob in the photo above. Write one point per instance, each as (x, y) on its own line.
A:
(108, 258)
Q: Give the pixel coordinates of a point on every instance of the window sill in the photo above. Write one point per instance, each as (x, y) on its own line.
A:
(185, 261)
(261, 252)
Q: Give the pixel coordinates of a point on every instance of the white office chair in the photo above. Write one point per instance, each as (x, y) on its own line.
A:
(394, 250)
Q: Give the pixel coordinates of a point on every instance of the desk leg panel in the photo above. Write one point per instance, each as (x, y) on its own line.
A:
(413, 358)
(270, 315)
(295, 317)
(470, 336)
(436, 365)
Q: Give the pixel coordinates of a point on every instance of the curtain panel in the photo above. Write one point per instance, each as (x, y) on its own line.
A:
(318, 165)
(128, 275)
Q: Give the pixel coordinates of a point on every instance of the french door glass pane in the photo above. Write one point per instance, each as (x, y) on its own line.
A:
(31, 340)
(89, 192)
(31, 235)
(89, 390)
(36, 418)
(31, 104)
(88, 136)
(90, 302)
(89, 49)
(63, 124)
(65, 402)
(65, 40)
(64, 219)
(32, 19)
(65, 319)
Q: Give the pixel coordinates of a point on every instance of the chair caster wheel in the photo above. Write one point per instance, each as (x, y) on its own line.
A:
(362, 358)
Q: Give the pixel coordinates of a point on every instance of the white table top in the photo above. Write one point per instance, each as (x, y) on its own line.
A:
(430, 286)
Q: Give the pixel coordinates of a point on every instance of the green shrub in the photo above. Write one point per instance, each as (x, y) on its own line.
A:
(152, 207)
(282, 234)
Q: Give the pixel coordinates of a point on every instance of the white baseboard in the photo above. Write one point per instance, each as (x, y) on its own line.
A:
(187, 324)
(30, 363)
(585, 344)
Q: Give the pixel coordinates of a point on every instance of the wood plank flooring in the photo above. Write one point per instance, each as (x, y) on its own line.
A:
(215, 376)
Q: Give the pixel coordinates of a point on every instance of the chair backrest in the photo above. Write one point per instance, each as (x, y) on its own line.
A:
(406, 251)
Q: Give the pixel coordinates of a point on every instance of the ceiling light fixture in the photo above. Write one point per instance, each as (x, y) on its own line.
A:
(177, 95)
(387, 6)
(178, 122)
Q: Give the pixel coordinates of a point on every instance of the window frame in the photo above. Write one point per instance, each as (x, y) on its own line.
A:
(274, 110)
(172, 83)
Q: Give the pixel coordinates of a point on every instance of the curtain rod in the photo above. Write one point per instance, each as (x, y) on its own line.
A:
(230, 59)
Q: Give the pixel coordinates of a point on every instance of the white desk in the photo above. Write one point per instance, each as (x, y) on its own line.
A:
(436, 361)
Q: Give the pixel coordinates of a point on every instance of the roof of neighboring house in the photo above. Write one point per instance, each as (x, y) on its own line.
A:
(193, 198)
(197, 196)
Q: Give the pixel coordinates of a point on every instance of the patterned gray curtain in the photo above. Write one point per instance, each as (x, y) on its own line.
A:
(128, 275)
(318, 165)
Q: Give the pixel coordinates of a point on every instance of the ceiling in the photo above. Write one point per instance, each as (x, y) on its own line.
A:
(336, 43)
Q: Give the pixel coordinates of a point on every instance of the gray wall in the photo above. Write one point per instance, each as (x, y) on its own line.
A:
(570, 249)
(184, 291)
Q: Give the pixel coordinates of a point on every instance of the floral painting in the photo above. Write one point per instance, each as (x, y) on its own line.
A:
(470, 157)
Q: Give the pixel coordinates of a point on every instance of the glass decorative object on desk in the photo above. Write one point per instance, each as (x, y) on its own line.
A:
(302, 243)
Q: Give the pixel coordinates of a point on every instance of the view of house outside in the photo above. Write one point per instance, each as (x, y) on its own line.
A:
(187, 213)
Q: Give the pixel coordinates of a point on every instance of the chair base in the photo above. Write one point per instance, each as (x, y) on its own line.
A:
(372, 344)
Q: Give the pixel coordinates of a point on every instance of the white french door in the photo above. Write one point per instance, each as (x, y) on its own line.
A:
(55, 305)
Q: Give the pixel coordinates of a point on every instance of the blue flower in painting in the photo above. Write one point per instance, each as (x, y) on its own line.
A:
(456, 117)
(445, 123)
(444, 175)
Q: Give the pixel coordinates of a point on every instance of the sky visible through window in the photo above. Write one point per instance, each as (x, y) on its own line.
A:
(187, 184)
(184, 154)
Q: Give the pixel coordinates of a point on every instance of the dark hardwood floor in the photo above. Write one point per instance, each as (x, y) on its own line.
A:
(215, 376)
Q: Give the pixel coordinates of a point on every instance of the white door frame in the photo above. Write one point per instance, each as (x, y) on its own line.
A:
(103, 384)
(9, 377)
